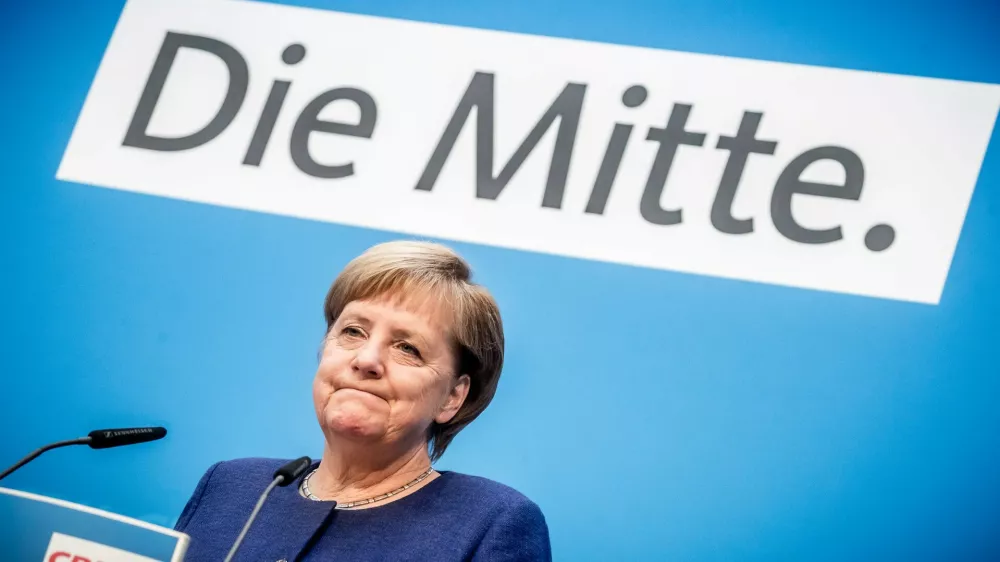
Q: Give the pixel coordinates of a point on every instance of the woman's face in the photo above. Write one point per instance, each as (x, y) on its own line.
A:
(387, 371)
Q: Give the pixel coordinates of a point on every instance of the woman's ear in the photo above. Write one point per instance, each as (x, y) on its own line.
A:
(456, 397)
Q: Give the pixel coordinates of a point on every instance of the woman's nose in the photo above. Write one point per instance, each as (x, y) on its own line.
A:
(368, 360)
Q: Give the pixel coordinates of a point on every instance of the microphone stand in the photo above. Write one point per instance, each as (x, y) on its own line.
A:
(253, 515)
(284, 476)
(37, 452)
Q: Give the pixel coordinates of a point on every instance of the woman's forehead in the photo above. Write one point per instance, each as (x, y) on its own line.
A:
(422, 304)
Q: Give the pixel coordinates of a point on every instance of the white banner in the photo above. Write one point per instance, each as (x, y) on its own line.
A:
(837, 180)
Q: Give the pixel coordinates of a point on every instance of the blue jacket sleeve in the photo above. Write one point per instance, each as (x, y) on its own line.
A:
(520, 534)
(195, 499)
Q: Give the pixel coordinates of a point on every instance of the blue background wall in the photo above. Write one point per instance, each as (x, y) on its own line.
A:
(651, 414)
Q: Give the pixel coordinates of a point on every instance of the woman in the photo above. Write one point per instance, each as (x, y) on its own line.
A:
(412, 355)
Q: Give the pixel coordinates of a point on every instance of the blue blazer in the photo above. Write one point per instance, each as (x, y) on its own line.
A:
(455, 517)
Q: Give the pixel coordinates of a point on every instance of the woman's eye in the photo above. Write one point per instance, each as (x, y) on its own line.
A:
(407, 348)
(351, 331)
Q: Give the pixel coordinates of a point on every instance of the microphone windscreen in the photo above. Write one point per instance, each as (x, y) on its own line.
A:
(105, 438)
(293, 470)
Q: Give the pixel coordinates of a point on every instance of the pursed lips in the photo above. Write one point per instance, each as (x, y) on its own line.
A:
(376, 395)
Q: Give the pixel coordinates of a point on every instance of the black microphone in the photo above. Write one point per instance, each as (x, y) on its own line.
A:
(282, 477)
(106, 438)
(100, 439)
(292, 471)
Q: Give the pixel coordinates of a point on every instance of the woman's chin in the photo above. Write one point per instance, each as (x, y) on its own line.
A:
(355, 426)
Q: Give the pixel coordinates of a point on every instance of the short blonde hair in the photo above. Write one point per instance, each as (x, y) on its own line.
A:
(408, 268)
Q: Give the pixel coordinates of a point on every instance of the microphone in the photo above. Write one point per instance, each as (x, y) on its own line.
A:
(99, 439)
(107, 438)
(292, 471)
(282, 477)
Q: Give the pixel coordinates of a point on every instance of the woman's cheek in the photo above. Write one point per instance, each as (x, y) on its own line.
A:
(322, 389)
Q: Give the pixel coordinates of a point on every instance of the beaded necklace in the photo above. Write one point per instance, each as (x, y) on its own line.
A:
(304, 490)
